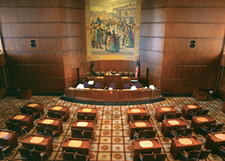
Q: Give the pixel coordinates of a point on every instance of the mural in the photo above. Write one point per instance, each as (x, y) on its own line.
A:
(112, 29)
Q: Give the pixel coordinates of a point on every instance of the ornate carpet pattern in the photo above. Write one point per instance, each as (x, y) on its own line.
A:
(111, 141)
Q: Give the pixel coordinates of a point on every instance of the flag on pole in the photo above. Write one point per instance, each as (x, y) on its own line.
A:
(137, 70)
(92, 68)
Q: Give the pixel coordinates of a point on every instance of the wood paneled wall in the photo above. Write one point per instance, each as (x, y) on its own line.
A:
(57, 26)
(174, 23)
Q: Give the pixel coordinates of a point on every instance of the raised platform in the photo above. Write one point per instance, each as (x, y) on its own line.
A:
(112, 97)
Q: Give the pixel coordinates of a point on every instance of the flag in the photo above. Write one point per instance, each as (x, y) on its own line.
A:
(137, 70)
(92, 68)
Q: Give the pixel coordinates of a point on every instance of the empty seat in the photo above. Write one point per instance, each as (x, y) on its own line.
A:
(126, 86)
(39, 155)
(81, 117)
(189, 156)
(103, 73)
(91, 117)
(135, 117)
(59, 115)
(77, 133)
(23, 110)
(40, 130)
(19, 128)
(175, 133)
(204, 154)
(112, 85)
(131, 74)
(34, 114)
(25, 153)
(87, 134)
(218, 127)
(138, 85)
(146, 157)
(97, 73)
(82, 157)
(204, 112)
(140, 134)
(125, 74)
(168, 116)
(146, 117)
(51, 132)
(9, 125)
(151, 134)
(178, 115)
(68, 156)
(188, 132)
(160, 157)
(114, 72)
(97, 85)
(207, 129)
(51, 114)
(86, 85)
(4, 149)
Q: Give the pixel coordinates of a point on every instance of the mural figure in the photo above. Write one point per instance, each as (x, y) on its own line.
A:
(112, 27)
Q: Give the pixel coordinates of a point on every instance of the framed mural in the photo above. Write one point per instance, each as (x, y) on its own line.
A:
(113, 29)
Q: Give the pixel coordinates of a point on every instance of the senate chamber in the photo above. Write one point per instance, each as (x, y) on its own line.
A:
(112, 80)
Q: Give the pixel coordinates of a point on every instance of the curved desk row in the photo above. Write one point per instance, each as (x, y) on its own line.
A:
(116, 95)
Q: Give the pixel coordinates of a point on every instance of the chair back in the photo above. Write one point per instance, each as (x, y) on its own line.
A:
(125, 74)
(126, 86)
(36, 155)
(148, 157)
(9, 125)
(211, 126)
(40, 130)
(205, 112)
(151, 134)
(76, 133)
(86, 85)
(188, 131)
(25, 153)
(97, 85)
(114, 72)
(142, 134)
(193, 155)
(91, 117)
(68, 156)
(198, 113)
(170, 115)
(23, 110)
(103, 73)
(178, 115)
(51, 114)
(137, 85)
(2, 156)
(81, 116)
(204, 154)
(17, 127)
(58, 115)
(30, 112)
(160, 157)
(131, 74)
(81, 157)
(88, 134)
(146, 117)
(218, 127)
(112, 85)
(48, 132)
(97, 73)
(137, 117)
(179, 132)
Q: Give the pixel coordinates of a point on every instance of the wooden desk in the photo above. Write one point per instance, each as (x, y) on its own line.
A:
(93, 111)
(166, 126)
(89, 127)
(63, 111)
(36, 107)
(197, 124)
(133, 127)
(177, 147)
(10, 139)
(136, 148)
(160, 111)
(133, 111)
(117, 95)
(45, 145)
(190, 107)
(83, 149)
(212, 142)
(26, 121)
(56, 125)
(199, 95)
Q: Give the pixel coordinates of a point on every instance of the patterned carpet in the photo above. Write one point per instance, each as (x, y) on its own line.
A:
(111, 132)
